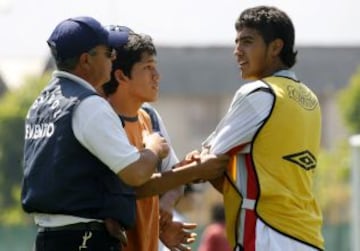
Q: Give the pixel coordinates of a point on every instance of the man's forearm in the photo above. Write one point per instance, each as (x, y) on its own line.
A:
(160, 183)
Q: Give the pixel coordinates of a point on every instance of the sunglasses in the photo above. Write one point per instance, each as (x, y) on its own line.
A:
(109, 53)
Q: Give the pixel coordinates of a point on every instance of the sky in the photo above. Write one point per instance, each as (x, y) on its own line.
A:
(25, 25)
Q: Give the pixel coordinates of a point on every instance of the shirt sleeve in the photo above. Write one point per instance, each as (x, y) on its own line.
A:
(97, 127)
(246, 114)
(171, 159)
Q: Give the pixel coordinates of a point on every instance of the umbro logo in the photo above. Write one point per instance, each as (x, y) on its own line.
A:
(303, 159)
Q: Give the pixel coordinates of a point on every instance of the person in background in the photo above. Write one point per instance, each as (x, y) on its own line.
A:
(78, 178)
(272, 132)
(135, 81)
(214, 236)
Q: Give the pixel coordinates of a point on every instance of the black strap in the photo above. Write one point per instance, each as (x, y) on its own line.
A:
(153, 117)
(155, 126)
(238, 247)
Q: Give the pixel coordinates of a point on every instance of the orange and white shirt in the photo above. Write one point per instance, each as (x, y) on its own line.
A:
(144, 236)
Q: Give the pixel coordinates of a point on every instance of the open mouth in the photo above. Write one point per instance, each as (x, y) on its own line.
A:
(242, 64)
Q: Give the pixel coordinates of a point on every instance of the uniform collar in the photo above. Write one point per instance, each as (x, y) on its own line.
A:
(287, 74)
(64, 74)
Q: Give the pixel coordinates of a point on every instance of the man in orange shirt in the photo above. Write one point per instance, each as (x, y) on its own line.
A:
(135, 80)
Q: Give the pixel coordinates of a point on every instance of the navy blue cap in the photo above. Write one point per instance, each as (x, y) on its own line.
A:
(77, 35)
(118, 35)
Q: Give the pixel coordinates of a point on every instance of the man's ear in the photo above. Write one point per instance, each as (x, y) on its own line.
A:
(276, 47)
(84, 60)
(120, 76)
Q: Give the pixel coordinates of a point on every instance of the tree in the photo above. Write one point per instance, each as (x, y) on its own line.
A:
(13, 109)
(331, 183)
(349, 101)
(332, 176)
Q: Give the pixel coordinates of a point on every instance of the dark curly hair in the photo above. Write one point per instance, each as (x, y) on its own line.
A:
(271, 23)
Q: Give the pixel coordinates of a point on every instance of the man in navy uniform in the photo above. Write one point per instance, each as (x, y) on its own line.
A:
(78, 176)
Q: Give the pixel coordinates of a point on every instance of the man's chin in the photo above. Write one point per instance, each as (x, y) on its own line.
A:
(151, 100)
(247, 77)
